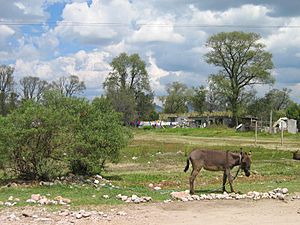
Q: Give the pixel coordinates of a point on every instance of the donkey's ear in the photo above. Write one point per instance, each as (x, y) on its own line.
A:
(241, 151)
(250, 154)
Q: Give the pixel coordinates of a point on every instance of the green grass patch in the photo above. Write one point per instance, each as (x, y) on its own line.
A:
(161, 162)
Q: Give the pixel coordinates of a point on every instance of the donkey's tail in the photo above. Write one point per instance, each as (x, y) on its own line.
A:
(187, 165)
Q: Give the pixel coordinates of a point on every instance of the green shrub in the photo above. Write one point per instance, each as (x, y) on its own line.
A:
(100, 136)
(61, 132)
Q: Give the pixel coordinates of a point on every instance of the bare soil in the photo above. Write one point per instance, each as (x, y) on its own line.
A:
(225, 212)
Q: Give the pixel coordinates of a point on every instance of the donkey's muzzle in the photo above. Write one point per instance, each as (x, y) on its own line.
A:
(247, 173)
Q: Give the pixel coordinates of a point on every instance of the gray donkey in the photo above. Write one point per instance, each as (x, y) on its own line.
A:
(217, 161)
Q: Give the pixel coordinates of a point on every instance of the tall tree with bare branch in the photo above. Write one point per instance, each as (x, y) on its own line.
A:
(69, 86)
(6, 86)
(33, 88)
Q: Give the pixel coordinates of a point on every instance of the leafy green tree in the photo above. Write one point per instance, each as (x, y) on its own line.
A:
(129, 80)
(60, 132)
(293, 112)
(35, 138)
(177, 98)
(278, 99)
(101, 136)
(243, 62)
(6, 86)
(198, 99)
(275, 100)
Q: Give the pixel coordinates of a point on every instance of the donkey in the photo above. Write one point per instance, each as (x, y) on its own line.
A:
(217, 161)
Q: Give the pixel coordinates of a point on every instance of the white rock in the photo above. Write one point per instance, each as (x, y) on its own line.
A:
(36, 197)
(124, 198)
(280, 196)
(106, 196)
(99, 177)
(121, 213)
(151, 185)
(196, 197)
(147, 199)
(86, 214)
(137, 200)
(134, 197)
(284, 191)
(184, 199)
(157, 188)
(65, 213)
(78, 216)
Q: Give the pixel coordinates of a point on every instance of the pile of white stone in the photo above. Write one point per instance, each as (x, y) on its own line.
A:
(133, 199)
(278, 193)
(43, 200)
(11, 201)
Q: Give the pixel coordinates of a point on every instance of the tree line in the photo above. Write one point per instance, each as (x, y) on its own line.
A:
(45, 125)
(32, 88)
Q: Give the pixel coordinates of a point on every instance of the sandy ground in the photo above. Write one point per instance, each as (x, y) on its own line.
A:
(225, 212)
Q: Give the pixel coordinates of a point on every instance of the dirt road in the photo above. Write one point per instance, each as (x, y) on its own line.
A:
(225, 212)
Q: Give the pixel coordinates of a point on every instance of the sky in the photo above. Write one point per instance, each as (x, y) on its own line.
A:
(54, 38)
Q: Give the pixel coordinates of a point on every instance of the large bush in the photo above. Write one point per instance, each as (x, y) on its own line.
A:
(100, 136)
(44, 140)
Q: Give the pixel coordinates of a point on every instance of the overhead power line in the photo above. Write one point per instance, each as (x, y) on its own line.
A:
(118, 24)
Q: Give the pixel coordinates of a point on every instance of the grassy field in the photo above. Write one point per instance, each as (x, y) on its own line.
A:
(159, 156)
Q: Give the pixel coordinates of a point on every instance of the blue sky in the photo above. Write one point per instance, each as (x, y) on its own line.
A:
(53, 38)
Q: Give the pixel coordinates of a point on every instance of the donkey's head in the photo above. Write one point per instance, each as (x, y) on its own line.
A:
(246, 162)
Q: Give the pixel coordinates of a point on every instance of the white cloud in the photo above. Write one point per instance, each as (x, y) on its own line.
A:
(5, 32)
(243, 15)
(116, 49)
(285, 37)
(99, 20)
(155, 74)
(91, 67)
(159, 29)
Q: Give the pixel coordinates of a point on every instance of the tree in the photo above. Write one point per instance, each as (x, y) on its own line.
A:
(215, 99)
(69, 86)
(243, 62)
(129, 80)
(101, 135)
(278, 99)
(60, 132)
(198, 99)
(33, 88)
(293, 112)
(275, 100)
(6, 86)
(177, 98)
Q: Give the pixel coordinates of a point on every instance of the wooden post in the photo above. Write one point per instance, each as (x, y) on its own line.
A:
(271, 121)
(255, 132)
(281, 132)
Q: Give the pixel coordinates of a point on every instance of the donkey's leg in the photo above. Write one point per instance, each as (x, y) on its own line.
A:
(192, 179)
(230, 179)
(224, 180)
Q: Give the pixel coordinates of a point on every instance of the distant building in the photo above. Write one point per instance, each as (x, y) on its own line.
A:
(286, 124)
(195, 119)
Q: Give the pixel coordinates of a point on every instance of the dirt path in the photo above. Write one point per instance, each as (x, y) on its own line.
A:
(223, 212)
(289, 145)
